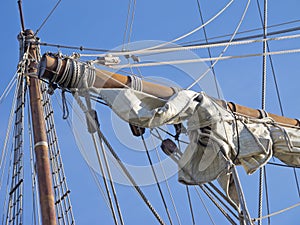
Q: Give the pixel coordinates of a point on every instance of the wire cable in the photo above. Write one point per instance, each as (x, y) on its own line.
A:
(46, 19)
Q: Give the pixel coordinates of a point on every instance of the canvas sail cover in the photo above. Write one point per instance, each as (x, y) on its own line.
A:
(218, 138)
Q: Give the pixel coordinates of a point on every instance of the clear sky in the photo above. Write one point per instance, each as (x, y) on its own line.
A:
(101, 25)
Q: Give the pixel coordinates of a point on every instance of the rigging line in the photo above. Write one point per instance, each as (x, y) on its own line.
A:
(282, 165)
(46, 19)
(235, 41)
(131, 179)
(81, 144)
(265, 25)
(35, 212)
(278, 96)
(224, 50)
(214, 201)
(247, 31)
(5, 203)
(131, 22)
(290, 51)
(263, 106)
(187, 34)
(124, 169)
(208, 49)
(111, 182)
(185, 44)
(190, 204)
(81, 48)
(277, 212)
(8, 88)
(267, 195)
(8, 130)
(156, 180)
(166, 181)
(104, 179)
(205, 189)
(21, 15)
(126, 26)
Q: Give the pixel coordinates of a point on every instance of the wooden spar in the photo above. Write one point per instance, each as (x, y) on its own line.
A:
(106, 79)
(40, 138)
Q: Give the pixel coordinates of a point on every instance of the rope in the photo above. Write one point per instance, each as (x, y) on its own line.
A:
(62, 199)
(226, 47)
(166, 182)
(123, 167)
(202, 46)
(291, 51)
(104, 181)
(156, 180)
(44, 22)
(263, 103)
(15, 204)
(208, 50)
(181, 37)
(190, 204)
(277, 212)
(8, 88)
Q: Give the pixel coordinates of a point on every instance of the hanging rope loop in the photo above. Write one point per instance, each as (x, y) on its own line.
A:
(64, 105)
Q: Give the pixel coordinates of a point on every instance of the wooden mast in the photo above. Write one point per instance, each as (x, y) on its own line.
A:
(106, 79)
(46, 195)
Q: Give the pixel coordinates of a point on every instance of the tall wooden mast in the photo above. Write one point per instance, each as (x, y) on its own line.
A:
(46, 195)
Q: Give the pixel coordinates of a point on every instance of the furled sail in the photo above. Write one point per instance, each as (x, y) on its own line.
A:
(218, 137)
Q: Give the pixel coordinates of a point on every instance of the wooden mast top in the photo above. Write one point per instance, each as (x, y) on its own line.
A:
(107, 79)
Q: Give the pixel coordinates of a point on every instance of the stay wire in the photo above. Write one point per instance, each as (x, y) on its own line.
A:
(111, 182)
(104, 180)
(190, 204)
(126, 24)
(208, 49)
(83, 152)
(124, 169)
(156, 180)
(226, 47)
(263, 104)
(277, 92)
(165, 179)
(46, 19)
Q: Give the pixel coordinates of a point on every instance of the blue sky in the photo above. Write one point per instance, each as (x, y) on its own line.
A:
(101, 24)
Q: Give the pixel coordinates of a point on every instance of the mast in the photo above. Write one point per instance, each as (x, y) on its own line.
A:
(46, 195)
(106, 79)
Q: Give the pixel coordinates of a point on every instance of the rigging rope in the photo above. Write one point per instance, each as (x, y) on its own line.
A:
(224, 50)
(15, 204)
(208, 50)
(202, 46)
(166, 182)
(8, 88)
(263, 106)
(185, 35)
(45, 20)
(190, 204)
(277, 212)
(62, 199)
(291, 51)
(156, 180)
(123, 167)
